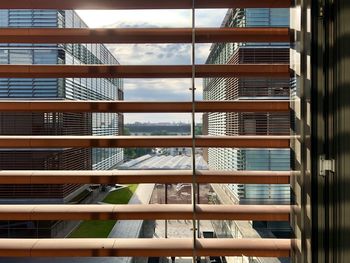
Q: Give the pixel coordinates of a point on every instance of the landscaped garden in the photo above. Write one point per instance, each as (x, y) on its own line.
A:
(99, 228)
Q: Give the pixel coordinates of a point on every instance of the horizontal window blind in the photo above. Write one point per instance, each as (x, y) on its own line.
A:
(194, 247)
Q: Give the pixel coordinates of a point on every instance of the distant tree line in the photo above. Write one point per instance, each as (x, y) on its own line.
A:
(132, 153)
(161, 129)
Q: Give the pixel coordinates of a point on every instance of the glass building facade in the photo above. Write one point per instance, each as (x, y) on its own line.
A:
(246, 123)
(52, 123)
(250, 88)
(57, 88)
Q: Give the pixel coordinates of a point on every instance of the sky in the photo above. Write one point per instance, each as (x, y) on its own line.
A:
(156, 54)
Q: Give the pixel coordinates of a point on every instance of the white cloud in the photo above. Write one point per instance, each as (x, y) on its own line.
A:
(151, 18)
(127, 18)
(210, 17)
(152, 54)
(156, 54)
(157, 89)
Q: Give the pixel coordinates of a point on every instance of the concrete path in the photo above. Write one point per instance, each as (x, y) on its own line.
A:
(132, 228)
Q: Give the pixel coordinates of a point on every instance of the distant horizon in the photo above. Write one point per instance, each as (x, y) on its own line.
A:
(161, 122)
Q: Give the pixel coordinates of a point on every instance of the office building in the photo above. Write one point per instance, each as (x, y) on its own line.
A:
(53, 123)
(250, 89)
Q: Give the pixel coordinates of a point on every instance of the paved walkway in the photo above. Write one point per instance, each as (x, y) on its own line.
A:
(180, 228)
(132, 228)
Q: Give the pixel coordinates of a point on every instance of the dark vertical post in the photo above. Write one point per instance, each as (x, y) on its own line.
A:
(166, 202)
(193, 91)
(339, 183)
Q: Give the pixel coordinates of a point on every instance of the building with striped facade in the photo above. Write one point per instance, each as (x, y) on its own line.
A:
(248, 89)
(51, 123)
(246, 123)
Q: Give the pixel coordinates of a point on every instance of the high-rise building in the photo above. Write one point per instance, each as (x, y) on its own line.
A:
(247, 123)
(248, 89)
(51, 123)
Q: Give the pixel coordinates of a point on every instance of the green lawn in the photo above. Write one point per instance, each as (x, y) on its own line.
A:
(99, 228)
(122, 196)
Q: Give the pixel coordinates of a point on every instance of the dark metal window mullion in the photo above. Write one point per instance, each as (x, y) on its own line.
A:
(193, 117)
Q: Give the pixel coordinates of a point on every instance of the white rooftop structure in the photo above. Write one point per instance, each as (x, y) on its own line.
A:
(164, 162)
